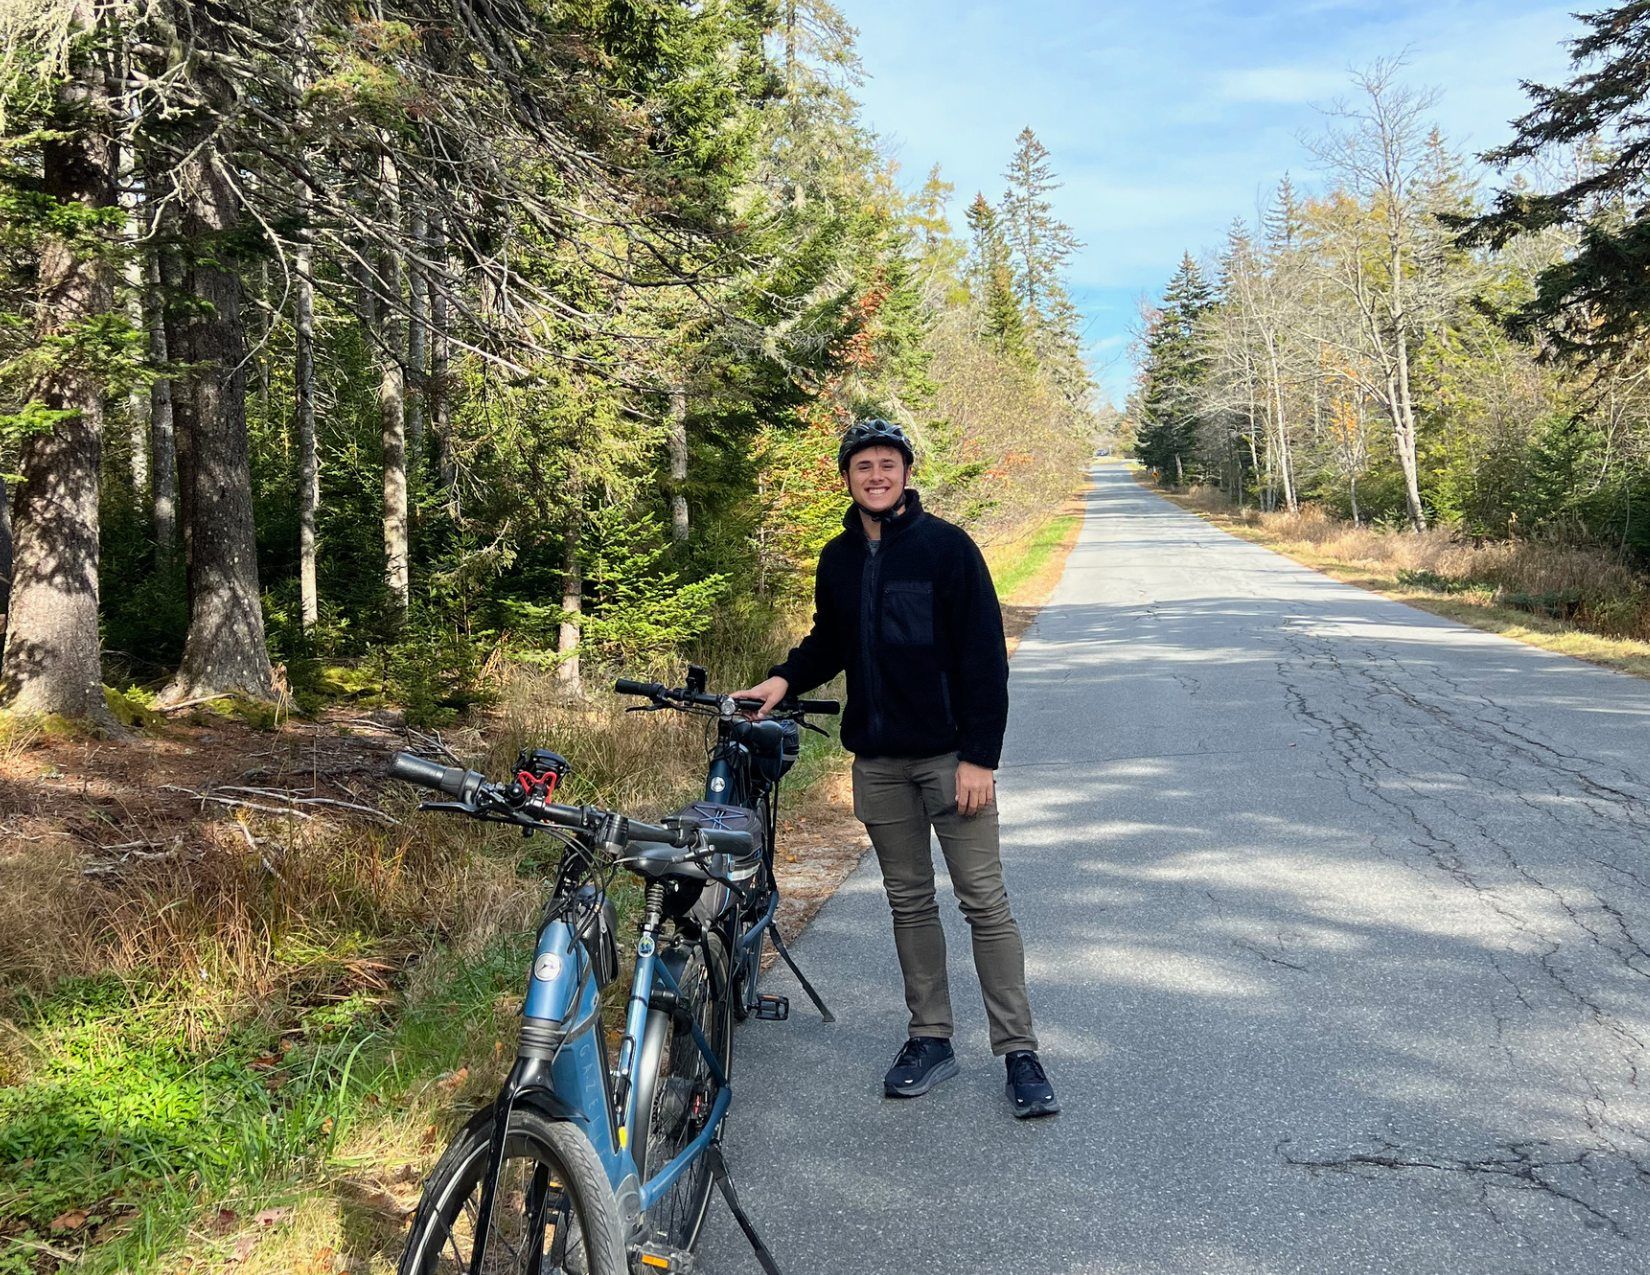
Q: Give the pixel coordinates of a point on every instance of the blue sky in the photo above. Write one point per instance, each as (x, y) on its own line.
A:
(1168, 118)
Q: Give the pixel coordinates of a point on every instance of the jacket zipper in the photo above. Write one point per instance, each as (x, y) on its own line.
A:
(868, 618)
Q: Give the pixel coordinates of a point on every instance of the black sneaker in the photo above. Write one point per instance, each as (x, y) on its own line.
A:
(1028, 1087)
(923, 1062)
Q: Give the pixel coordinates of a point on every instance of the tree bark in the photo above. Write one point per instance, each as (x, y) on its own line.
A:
(309, 481)
(1403, 418)
(179, 335)
(225, 651)
(417, 339)
(438, 391)
(51, 662)
(163, 459)
(572, 602)
(678, 463)
(392, 406)
(5, 558)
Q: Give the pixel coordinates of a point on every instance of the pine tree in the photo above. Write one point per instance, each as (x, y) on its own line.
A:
(1041, 246)
(1597, 300)
(1174, 367)
(1283, 222)
(991, 281)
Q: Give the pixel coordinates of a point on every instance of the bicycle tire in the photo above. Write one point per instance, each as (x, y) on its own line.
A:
(578, 1195)
(682, 1095)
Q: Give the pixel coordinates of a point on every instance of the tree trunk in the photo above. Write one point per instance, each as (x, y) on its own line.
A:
(1286, 453)
(5, 558)
(139, 403)
(225, 651)
(51, 662)
(437, 391)
(309, 480)
(417, 336)
(392, 407)
(572, 602)
(678, 463)
(1403, 419)
(163, 459)
(180, 336)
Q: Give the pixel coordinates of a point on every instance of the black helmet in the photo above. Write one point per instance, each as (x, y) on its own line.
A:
(874, 432)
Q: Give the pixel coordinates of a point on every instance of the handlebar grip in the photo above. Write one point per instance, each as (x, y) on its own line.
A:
(827, 706)
(726, 841)
(451, 780)
(625, 686)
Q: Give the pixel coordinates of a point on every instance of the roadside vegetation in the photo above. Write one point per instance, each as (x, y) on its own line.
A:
(1400, 373)
(235, 1039)
(384, 379)
(1573, 600)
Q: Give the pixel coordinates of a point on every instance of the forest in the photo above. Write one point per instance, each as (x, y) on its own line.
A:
(393, 344)
(1430, 339)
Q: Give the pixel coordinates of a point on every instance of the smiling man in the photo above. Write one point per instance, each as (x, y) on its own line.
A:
(903, 601)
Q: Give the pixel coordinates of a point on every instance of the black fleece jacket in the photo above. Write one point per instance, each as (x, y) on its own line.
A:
(917, 626)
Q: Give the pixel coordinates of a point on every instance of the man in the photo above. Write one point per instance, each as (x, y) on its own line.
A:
(904, 602)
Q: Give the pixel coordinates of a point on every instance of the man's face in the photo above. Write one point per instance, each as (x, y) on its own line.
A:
(876, 478)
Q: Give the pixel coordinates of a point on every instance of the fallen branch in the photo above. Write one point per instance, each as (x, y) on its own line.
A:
(237, 801)
(189, 703)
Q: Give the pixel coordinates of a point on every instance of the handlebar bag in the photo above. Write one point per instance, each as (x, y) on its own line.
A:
(707, 904)
(775, 751)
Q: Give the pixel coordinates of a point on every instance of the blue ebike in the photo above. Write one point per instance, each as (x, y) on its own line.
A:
(586, 1163)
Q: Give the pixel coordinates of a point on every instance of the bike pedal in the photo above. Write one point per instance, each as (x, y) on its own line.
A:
(657, 1257)
(775, 1009)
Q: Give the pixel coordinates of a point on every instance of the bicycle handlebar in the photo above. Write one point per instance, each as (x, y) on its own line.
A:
(472, 790)
(660, 693)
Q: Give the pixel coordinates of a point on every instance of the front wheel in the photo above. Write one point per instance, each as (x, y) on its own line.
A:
(553, 1211)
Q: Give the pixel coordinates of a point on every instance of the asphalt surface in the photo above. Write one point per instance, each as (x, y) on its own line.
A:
(1335, 917)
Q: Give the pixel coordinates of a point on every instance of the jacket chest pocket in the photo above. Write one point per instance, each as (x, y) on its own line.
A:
(908, 613)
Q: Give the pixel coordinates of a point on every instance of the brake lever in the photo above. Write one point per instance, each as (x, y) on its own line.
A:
(456, 807)
(805, 724)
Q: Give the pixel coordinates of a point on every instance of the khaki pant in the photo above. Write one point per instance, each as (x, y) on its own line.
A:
(899, 799)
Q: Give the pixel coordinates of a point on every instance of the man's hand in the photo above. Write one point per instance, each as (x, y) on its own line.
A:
(769, 692)
(976, 786)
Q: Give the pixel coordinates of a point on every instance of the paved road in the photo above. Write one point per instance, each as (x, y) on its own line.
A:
(1336, 917)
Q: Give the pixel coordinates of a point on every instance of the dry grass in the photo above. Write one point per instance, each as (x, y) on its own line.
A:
(1577, 600)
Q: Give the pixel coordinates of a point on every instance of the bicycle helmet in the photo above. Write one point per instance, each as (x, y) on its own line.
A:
(874, 432)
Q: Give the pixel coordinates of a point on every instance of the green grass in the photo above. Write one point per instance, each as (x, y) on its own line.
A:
(151, 1115)
(135, 1117)
(1017, 563)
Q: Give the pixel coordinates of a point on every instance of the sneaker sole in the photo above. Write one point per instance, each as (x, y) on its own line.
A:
(941, 1071)
(1046, 1107)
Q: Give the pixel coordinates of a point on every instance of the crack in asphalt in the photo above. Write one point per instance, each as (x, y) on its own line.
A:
(1518, 1166)
(1488, 757)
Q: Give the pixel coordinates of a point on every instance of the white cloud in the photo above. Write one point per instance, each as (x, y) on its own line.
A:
(1280, 84)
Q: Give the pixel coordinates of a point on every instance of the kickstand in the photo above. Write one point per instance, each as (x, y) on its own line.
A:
(779, 946)
(719, 1171)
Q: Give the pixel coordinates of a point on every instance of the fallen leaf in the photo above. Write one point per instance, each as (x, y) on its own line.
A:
(243, 1248)
(226, 1221)
(268, 1217)
(73, 1220)
(453, 1079)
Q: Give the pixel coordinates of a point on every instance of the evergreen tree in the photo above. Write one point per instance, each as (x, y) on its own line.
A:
(991, 282)
(1597, 299)
(1041, 245)
(1172, 372)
